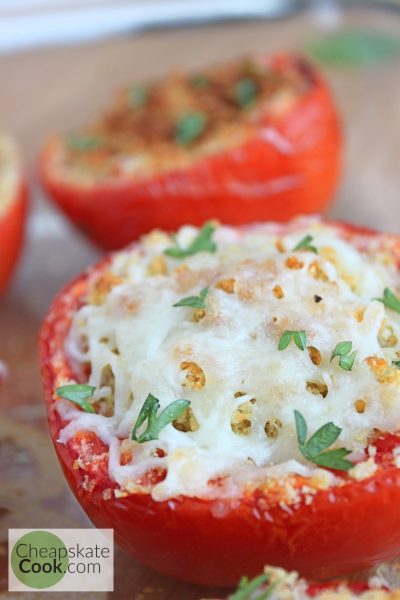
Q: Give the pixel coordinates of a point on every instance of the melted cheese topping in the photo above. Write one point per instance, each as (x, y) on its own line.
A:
(9, 172)
(225, 359)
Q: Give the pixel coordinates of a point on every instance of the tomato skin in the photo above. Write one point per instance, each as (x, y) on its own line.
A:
(292, 166)
(215, 542)
(12, 223)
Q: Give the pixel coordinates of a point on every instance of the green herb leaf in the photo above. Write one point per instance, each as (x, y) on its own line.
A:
(305, 244)
(189, 127)
(324, 437)
(334, 459)
(84, 143)
(155, 422)
(301, 427)
(299, 338)
(390, 300)
(396, 363)
(347, 362)
(194, 301)
(245, 92)
(355, 48)
(138, 96)
(341, 349)
(203, 242)
(316, 449)
(79, 394)
(247, 588)
(199, 81)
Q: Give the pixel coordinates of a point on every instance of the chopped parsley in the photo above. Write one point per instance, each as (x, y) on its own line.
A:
(189, 128)
(138, 96)
(203, 242)
(305, 244)
(194, 301)
(84, 143)
(346, 357)
(299, 338)
(156, 422)
(315, 450)
(245, 92)
(390, 300)
(199, 81)
(253, 589)
(79, 393)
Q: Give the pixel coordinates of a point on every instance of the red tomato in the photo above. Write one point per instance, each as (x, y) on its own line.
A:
(214, 542)
(12, 216)
(290, 166)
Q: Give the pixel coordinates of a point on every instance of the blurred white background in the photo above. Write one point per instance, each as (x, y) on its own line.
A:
(28, 23)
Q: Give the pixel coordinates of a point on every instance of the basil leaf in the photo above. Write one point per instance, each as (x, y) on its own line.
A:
(334, 459)
(155, 423)
(324, 437)
(203, 242)
(84, 143)
(79, 394)
(390, 300)
(355, 47)
(189, 127)
(245, 92)
(247, 588)
(305, 244)
(299, 338)
(194, 301)
(138, 96)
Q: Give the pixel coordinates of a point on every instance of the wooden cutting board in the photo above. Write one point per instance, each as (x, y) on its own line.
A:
(58, 88)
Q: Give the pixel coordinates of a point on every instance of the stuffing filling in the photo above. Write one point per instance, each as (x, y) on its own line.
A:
(170, 122)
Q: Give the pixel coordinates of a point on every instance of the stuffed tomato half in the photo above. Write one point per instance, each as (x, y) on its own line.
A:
(13, 201)
(278, 584)
(225, 398)
(250, 140)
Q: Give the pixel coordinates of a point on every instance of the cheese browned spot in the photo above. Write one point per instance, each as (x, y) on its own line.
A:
(239, 428)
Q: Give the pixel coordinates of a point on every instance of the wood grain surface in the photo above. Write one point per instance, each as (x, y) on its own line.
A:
(53, 89)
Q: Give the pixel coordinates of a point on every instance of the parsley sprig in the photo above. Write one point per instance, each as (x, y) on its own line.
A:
(299, 338)
(247, 588)
(346, 357)
(194, 301)
(156, 422)
(390, 300)
(305, 244)
(203, 242)
(316, 450)
(78, 393)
